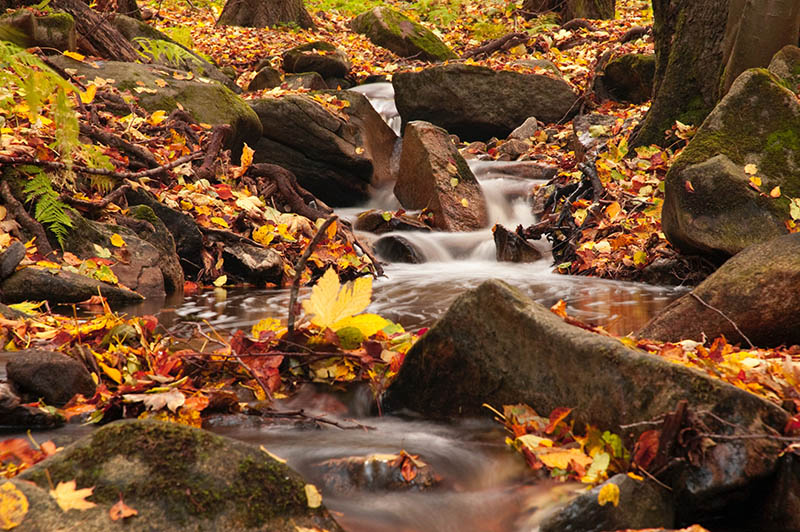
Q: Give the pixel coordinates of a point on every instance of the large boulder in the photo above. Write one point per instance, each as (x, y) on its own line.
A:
(49, 375)
(14, 414)
(496, 346)
(435, 176)
(176, 478)
(319, 56)
(629, 77)
(156, 233)
(786, 65)
(754, 293)
(207, 101)
(477, 103)
(60, 286)
(335, 155)
(709, 206)
(396, 32)
(174, 55)
(53, 32)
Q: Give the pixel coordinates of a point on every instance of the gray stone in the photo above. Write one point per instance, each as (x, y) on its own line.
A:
(709, 207)
(510, 247)
(176, 477)
(396, 248)
(756, 290)
(477, 103)
(162, 239)
(266, 78)
(526, 130)
(10, 258)
(642, 504)
(435, 176)
(14, 414)
(781, 512)
(496, 346)
(396, 32)
(786, 65)
(306, 80)
(52, 376)
(60, 286)
(375, 473)
(332, 62)
(253, 264)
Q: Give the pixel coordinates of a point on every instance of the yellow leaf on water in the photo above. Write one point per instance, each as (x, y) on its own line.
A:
(69, 498)
(117, 241)
(609, 493)
(13, 506)
(330, 302)
(74, 55)
(314, 496)
(220, 281)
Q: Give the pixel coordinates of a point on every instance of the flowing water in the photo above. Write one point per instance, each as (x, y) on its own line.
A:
(485, 486)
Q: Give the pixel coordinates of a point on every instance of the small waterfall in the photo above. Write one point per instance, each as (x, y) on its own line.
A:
(381, 96)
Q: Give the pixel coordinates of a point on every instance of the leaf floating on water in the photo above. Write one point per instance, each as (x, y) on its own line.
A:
(13, 506)
(70, 498)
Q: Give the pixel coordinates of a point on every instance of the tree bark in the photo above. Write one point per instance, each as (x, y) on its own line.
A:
(702, 46)
(96, 36)
(263, 13)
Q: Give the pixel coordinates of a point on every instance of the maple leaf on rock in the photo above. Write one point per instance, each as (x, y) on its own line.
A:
(70, 498)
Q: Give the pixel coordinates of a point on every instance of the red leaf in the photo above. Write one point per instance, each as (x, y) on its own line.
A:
(646, 448)
(556, 416)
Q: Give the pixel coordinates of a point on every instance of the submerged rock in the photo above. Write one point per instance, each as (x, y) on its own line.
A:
(48, 375)
(380, 472)
(434, 176)
(756, 290)
(496, 346)
(396, 248)
(477, 103)
(177, 478)
(510, 247)
(396, 32)
(709, 206)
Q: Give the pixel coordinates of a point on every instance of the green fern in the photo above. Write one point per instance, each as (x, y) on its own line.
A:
(169, 54)
(49, 210)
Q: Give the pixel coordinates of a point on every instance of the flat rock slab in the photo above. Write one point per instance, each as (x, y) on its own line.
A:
(496, 346)
(49, 375)
(177, 478)
(60, 286)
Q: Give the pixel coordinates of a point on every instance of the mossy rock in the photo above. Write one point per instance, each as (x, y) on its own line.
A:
(206, 100)
(177, 478)
(331, 63)
(53, 33)
(710, 207)
(786, 65)
(396, 32)
(629, 78)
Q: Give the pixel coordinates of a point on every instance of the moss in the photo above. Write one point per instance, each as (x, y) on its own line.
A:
(390, 29)
(143, 212)
(58, 21)
(261, 488)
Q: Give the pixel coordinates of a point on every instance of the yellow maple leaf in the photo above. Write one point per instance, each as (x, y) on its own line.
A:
(74, 55)
(330, 302)
(13, 506)
(313, 496)
(368, 324)
(609, 493)
(69, 498)
(561, 458)
(268, 324)
(117, 241)
(219, 221)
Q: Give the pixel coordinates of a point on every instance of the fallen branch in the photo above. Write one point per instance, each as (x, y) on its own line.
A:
(219, 135)
(505, 42)
(18, 212)
(317, 419)
(718, 311)
(95, 205)
(110, 139)
(300, 200)
(55, 165)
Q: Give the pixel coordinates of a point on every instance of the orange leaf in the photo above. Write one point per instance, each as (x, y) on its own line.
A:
(556, 416)
(121, 511)
(646, 448)
(559, 309)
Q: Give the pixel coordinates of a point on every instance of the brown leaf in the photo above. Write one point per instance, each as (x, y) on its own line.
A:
(121, 511)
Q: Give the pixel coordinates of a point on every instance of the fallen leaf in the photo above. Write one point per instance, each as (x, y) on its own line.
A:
(775, 192)
(314, 496)
(117, 241)
(609, 493)
(75, 55)
(121, 511)
(70, 498)
(330, 302)
(172, 399)
(220, 281)
(13, 506)
(750, 169)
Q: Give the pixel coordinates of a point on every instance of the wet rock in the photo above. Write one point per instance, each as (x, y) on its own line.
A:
(786, 65)
(59, 286)
(374, 473)
(629, 78)
(188, 238)
(758, 123)
(527, 130)
(335, 158)
(590, 134)
(396, 32)
(14, 414)
(395, 248)
(140, 268)
(253, 264)
(381, 222)
(177, 478)
(266, 78)
(481, 102)
(49, 375)
(781, 512)
(10, 258)
(642, 504)
(181, 57)
(513, 148)
(756, 290)
(510, 247)
(435, 176)
(339, 83)
(209, 103)
(319, 56)
(306, 80)
(496, 346)
(160, 237)
(54, 32)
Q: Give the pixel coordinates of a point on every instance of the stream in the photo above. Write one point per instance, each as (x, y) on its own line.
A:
(485, 485)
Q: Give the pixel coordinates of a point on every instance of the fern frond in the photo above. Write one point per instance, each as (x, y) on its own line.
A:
(168, 54)
(49, 210)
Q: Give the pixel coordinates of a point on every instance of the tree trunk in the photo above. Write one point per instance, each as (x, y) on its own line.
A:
(96, 36)
(702, 46)
(263, 13)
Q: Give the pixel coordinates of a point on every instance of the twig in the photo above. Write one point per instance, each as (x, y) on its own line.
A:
(241, 362)
(734, 437)
(25, 220)
(96, 205)
(318, 419)
(219, 135)
(718, 311)
(55, 165)
(654, 479)
(301, 265)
